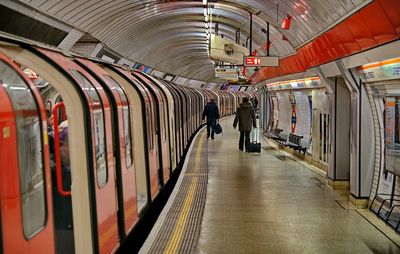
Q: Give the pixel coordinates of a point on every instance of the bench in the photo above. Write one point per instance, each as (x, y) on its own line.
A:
(288, 139)
(274, 133)
(294, 141)
(304, 146)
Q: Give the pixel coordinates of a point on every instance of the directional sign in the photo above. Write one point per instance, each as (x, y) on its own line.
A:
(260, 61)
(253, 61)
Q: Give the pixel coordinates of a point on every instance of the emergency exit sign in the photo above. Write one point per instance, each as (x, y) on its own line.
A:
(260, 61)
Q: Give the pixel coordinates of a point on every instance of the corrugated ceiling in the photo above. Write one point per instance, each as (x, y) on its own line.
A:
(170, 35)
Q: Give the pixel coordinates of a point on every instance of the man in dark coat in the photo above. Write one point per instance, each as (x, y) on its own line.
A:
(212, 112)
(246, 118)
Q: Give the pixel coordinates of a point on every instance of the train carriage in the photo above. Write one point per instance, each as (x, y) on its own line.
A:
(25, 182)
(123, 129)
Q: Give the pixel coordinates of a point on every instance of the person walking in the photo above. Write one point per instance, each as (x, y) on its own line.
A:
(212, 112)
(246, 118)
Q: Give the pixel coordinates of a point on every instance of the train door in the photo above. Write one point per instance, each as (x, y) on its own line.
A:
(177, 116)
(199, 111)
(148, 133)
(138, 144)
(125, 171)
(26, 213)
(193, 111)
(161, 127)
(100, 146)
(169, 119)
(183, 119)
(189, 114)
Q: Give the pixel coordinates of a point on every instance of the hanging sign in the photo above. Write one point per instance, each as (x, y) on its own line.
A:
(260, 61)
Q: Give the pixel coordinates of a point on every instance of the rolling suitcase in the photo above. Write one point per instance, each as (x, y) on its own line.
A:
(254, 146)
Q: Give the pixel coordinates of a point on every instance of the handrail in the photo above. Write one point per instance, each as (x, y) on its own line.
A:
(57, 152)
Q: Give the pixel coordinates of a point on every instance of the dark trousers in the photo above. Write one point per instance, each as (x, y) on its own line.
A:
(211, 125)
(244, 138)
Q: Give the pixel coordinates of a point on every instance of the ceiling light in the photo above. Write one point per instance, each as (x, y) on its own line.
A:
(287, 22)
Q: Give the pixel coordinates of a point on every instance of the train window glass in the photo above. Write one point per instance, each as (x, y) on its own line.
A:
(126, 120)
(149, 123)
(163, 130)
(30, 150)
(98, 128)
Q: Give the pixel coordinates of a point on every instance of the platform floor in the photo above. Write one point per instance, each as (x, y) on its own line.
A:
(269, 203)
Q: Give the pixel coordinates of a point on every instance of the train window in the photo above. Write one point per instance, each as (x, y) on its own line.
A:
(30, 150)
(149, 123)
(126, 120)
(163, 127)
(98, 128)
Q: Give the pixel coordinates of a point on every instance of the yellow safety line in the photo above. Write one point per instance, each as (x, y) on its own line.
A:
(176, 238)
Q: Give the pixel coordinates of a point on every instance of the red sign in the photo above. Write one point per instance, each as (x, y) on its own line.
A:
(260, 61)
(253, 61)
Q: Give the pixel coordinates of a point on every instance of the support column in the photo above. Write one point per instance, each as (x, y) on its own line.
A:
(339, 104)
(361, 138)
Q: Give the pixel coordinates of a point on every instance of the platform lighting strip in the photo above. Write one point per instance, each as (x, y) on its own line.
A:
(295, 81)
(379, 64)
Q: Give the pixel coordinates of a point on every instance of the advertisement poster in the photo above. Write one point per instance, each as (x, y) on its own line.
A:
(390, 116)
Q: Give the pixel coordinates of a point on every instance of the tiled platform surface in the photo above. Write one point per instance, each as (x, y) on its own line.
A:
(266, 203)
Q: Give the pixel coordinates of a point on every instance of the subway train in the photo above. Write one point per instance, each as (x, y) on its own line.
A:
(86, 147)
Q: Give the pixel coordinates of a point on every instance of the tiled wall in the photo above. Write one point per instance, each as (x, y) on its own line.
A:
(381, 88)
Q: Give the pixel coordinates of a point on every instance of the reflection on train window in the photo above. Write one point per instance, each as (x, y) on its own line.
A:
(149, 125)
(126, 120)
(98, 128)
(163, 127)
(30, 151)
(392, 134)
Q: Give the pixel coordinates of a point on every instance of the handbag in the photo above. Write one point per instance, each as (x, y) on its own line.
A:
(217, 128)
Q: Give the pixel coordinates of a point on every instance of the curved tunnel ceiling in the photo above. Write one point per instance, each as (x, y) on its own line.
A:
(170, 35)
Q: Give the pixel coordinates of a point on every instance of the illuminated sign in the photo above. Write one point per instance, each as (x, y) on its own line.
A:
(260, 61)
(252, 61)
(313, 82)
(385, 70)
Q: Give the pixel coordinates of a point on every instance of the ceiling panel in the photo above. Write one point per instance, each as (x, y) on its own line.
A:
(170, 35)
